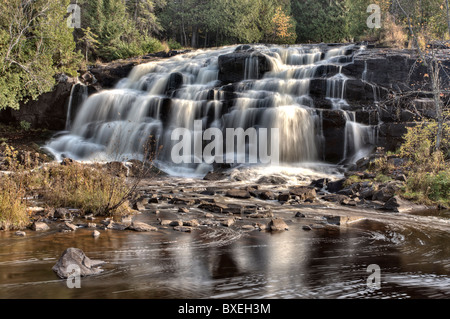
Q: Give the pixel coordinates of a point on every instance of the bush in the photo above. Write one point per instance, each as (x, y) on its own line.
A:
(89, 188)
(13, 210)
(174, 45)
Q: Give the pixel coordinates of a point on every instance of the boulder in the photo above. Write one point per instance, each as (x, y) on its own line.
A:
(74, 257)
(277, 224)
(39, 226)
(228, 222)
(304, 193)
(68, 226)
(142, 227)
(238, 193)
(183, 229)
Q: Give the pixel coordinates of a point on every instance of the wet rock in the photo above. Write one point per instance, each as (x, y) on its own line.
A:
(165, 222)
(334, 187)
(214, 176)
(304, 193)
(191, 223)
(384, 194)
(39, 226)
(183, 229)
(74, 257)
(238, 193)
(266, 195)
(277, 224)
(367, 192)
(68, 226)
(306, 227)
(176, 223)
(213, 207)
(110, 224)
(335, 198)
(209, 215)
(399, 205)
(284, 197)
(20, 233)
(298, 214)
(276, 180)
(228, 222)
(183, 210)
(142, 227)
(95, 234)
(62, 213)
(232, 66)
(248, 227)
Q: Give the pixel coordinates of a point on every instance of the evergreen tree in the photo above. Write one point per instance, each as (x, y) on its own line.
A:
(35, 44)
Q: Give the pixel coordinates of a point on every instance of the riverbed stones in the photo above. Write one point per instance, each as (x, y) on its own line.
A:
(75, 259)
(95, 234)
(20, 233)
(228, 222)
(142, 227)
(66, 226)
(39, 226)
(277, 224)
(303, 193)
(183, 229)
(238, 193)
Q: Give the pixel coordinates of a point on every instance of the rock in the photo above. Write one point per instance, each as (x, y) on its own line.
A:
(74, 257)
(334, 187)
(248, 227)
(39, 226)
(213, 207)
(183, 229)
(183, 210)
(399, 205)
(276, 180)
(284, 197)
(384, 194)
(209, 215)
(298, 214)
(68, 226)
(306, 227)
(20, 233)
(62, 213)
(228, 222)
(176, 223)
(266, 195)
(95, 233)
(367, 192)
(214, 176)
(232, 66)
(277, 224)
(191, 223)
(238, 193)
(115, 225)
(304, 193)
(142, 227)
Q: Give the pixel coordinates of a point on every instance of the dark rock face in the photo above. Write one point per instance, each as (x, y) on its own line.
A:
(232, 66)
(49, 111)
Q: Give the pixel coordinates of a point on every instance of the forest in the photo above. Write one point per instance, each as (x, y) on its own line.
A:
(36, 42)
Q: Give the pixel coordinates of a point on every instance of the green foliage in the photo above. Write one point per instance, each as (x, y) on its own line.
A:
(24, 125)
(35, 44)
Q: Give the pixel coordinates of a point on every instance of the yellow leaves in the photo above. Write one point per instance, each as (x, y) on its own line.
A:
(283, 26)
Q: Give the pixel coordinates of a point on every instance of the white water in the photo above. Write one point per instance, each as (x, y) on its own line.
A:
(117, 124)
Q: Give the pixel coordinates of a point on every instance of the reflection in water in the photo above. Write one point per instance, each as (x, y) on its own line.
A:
(220, 262)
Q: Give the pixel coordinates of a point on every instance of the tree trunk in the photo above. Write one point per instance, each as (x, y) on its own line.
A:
(194, 40)
(448, 16)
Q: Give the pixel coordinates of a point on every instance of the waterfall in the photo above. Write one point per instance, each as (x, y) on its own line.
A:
(158, 98)
(78, 94)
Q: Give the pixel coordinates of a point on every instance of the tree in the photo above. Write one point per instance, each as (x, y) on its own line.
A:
(35, 44)
(89, 41)
(283, 27)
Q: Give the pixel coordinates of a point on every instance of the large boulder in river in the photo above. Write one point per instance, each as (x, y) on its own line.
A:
(75, 259)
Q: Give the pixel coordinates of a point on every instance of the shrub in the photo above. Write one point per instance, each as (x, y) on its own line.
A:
(13, 213)
(174, 45)
(89, 188)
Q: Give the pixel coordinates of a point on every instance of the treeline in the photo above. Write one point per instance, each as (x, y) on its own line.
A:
(36, 42)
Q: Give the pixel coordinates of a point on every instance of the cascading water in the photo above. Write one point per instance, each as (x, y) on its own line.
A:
(159, 97)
